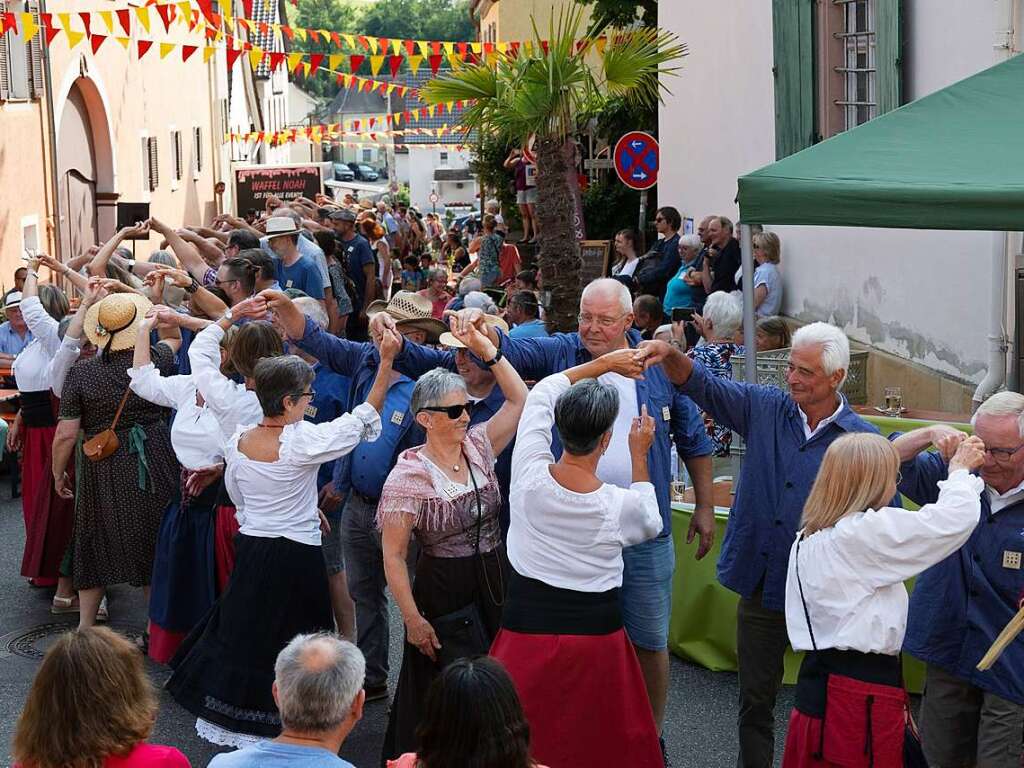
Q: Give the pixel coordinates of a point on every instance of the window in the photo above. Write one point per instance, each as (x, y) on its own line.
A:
(367, 155)
(444, 158)
(176, 156)
(21, 63)
(857, 66)
(197, 151)
(150, 166)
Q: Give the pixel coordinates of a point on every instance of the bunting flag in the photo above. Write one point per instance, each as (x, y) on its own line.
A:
(143, 47)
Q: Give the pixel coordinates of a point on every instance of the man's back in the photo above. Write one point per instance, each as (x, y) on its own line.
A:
(273, 754)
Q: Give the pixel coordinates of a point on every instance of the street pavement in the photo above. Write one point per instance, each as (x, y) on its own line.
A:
(699, 729)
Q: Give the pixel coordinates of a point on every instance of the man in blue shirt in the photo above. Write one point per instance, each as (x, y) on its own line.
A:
(317, 679)
(524, 312)
(361, 474)
(787, 435)
(14, 334)
(605, 322)
(960, 605)
(357, 257)
(293, 269)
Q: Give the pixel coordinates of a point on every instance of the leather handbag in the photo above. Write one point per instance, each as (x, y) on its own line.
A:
(462, 634)
(100, 446)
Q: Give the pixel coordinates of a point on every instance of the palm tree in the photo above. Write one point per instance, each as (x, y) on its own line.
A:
(550, 92)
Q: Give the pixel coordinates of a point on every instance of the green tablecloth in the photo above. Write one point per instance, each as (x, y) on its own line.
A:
(887, 424)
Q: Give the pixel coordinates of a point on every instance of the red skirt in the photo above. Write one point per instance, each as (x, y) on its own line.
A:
(584, 698)
(49, 519)
(224, 545)
(807, 744)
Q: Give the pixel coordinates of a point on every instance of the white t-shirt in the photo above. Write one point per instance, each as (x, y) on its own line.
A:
(616, 466)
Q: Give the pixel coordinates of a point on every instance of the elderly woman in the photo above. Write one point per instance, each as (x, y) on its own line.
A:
(846, 603)
(767, 279)
(446, 494)
(685, 289)
(91, 704)
(562, 638)
(224, 671)
(436, 291)
(125, 468)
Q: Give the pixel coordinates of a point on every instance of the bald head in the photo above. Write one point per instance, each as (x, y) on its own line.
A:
(317, 679)
(607, 288)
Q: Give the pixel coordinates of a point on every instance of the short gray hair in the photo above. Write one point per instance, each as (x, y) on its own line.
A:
(835, 347)
(278, 378)
(432, 387)
(163, 257)
(318, 677)
(470, 284)
(480, 300)
(313, 309)
(436, 272)
(609, 285)
(725, 313)
(690, 241)
(583, 414)
(1003, 404)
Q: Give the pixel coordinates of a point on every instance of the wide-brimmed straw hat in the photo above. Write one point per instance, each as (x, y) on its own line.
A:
(410, 310)
(113, 323)
(448, 338)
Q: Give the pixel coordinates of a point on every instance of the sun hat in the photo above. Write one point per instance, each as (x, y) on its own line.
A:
(281, 225)
(113, 324)
(448, 338)
(13, 299)
(343, 214)
(410, 310)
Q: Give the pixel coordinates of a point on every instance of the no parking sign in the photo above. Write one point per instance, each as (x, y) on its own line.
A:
(637, 159)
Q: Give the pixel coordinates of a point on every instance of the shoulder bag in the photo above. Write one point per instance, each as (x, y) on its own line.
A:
(100, 446)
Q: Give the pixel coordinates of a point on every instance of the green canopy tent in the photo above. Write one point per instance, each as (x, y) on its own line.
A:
(951, 160)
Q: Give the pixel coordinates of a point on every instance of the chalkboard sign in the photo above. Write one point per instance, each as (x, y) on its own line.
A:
(595, 255)
(254, 184)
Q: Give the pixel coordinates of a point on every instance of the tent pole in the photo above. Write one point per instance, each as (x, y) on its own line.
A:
(749, 327)
(996, 374)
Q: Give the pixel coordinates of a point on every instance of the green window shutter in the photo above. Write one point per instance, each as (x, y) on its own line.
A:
(793, 38)
(889, 54)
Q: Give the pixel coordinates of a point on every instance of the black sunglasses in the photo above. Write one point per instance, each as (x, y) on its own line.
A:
(453, 411)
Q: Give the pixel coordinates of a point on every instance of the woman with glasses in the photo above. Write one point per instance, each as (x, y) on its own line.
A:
(224, 671)
(445, 493)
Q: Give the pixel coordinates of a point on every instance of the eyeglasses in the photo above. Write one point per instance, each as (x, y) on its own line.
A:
(1003, 454)
(453, 411)
(602, 322)
(311, 393)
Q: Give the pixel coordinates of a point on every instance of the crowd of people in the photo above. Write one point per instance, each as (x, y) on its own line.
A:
(276, 422)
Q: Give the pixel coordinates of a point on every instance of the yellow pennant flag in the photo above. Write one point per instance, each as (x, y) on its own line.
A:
(255, 56)
(359, 80)
(108, 20)
(376, 62)
(431, 108)
(185, 14)
(450, 105)
(294, 60)
(476, 47)
(528, 46)
(398, 118)
(334, 61)
(415, 62)
(350, 41)
(165, 49)
(391, 87)
(455, 61)
(449, 48)
(124, 41)
(28, 26)
(601, 43)
(208, 52)
(142, 13)
(225, 11)
(424, 48)
(74, 38)
(396, 47)
(300, 32)
(416, 114)
(374, 44)
(306, 69)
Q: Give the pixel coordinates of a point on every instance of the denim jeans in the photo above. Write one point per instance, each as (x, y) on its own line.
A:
(364, 565)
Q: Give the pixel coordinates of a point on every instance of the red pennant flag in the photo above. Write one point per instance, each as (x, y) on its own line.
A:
(388, 120)
(314, 62)
(10, 23)
(435, 48)
(314, 35)
(410, 47)
(276, 59)
(206, 6)
(544, 45)
(51, 31)
(355, 125)
(263, 27)
(462, 47)
(407, 116)
(458, 104)
(396, 64)
(165, 11)
(247, 7)
(124, 17)
(435, 63)
(355, 62)
(87, 22)
(186, 51)
(488, 48)
(336, 39)
(383, 44)
(364, 42)
(373, 121)
(340, 79)
(144, 46)
(288, 32)
(233, 54)
(97, 41)
(210, 32)
(470, 58)
(513, 49)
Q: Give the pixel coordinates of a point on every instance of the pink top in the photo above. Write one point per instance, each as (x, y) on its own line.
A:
(148, 756)
(408, 760)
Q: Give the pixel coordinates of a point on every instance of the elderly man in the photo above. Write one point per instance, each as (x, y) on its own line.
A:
(960, 605)
(524, 312)
(787, 435)
(14, 333)
(721, 257)
(362, 473)
(318, 681)
(606, 321)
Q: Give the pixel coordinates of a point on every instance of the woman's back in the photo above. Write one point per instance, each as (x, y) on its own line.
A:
(96, 387)
(148, 756)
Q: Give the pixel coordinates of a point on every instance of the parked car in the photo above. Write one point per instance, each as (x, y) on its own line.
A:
(364, 172)
(343, 173)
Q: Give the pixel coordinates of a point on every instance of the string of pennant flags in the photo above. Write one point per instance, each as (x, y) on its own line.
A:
(333, 133)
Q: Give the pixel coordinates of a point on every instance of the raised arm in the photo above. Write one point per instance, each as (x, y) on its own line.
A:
(38, 320)
(75, 278)
(70, 345)
(98, 265)
(207, 232)
(187, 255)
(209, 303)
(339, 355)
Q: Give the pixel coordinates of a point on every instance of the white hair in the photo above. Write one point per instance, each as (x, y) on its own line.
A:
(468, 285)
(835, 347)
(312, 309)
(609, 285)
(724, 312)
(663, 329)
(1003, 404)
(480, 300)
(690, 241)
(318, 677)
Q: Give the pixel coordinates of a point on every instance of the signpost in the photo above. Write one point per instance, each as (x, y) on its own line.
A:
(637, 159)
(433, 198)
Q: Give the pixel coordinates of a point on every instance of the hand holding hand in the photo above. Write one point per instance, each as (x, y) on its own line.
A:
(381, 322)
(641, 434)
(54, 265)
(946, 439)
(461, 320)
(255, 308)
(95, 291)
(389, 345)
(198, 480)
(969, 455)
(656, 351)
(174, 276)
(158, 226)
(625, 362)
(476, 342)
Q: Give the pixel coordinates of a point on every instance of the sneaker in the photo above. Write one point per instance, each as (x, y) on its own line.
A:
(101, 613)
(376, 692)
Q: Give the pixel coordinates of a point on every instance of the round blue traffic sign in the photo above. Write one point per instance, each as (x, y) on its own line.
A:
(637, 158)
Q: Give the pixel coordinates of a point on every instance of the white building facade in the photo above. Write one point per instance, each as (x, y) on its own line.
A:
(923, 296)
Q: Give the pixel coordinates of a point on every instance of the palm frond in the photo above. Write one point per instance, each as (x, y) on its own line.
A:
(634, 62)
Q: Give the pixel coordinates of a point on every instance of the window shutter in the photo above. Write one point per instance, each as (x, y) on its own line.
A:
(793, 38)
(5, 72)
(154, 167)
(889, 54)
(197, 139)
(176, 153)
(35, 52)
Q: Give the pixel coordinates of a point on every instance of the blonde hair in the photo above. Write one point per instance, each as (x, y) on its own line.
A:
(856, 474)
(769, 244)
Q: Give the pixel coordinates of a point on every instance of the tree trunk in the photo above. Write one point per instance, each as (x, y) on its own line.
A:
(559, 255)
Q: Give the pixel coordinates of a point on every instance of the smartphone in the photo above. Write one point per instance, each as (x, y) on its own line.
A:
(682, 313)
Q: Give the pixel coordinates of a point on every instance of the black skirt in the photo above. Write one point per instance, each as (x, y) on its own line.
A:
(224, 670)
(442, 585)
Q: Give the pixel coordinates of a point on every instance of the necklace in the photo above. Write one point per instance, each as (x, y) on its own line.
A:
(272, 426)
(455, 465)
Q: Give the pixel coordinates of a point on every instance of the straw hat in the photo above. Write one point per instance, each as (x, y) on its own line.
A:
(113, 323)
(410, 310)
(281, 225)
(448, 338)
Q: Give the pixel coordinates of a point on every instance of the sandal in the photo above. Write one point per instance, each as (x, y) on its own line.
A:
(62, 605)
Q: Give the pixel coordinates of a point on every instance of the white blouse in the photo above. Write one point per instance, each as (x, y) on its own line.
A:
(279, 498)
(195, 434)
(230, 403)
(853, 573)
(566, 539)
(45, 362)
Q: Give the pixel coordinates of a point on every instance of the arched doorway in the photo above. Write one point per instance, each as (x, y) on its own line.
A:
(84, 169)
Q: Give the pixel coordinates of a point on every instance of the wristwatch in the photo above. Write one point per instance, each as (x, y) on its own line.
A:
(494, 360)
(228, 315)
(131, 265)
